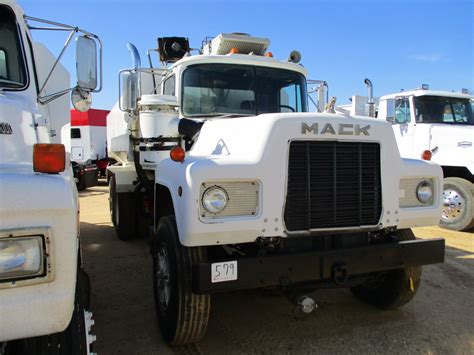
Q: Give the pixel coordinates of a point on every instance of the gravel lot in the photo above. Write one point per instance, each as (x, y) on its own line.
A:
(439, 320)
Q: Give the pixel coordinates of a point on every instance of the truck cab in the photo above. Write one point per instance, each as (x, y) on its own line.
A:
(237, 186)
(441, 123)
(43, 308)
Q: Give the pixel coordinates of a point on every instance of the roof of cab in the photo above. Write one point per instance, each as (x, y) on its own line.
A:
(243, 59)
(421, 92)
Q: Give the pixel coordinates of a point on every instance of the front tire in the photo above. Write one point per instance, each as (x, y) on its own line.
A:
(392, 289)
(458, 205)
(182, 315)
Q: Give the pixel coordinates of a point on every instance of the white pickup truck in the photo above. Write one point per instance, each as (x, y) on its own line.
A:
(44, 298)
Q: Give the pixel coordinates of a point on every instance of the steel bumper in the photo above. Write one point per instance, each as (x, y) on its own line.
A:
(336, 265)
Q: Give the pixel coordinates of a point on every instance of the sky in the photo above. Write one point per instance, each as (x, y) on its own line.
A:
(397, 44)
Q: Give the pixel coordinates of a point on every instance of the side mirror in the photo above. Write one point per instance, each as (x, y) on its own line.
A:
(390, 117)
(86, 62)
(81, 99)
(129, 90)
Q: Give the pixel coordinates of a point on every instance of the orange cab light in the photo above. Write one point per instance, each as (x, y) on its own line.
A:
(269, 54)
(426, 155)
(177, 154)
(49, 158)
(234, 50)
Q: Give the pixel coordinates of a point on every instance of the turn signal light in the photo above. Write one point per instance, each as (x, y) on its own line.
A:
(177, 154)
(426, 155)
(269, 54)
(49, 158)
(234, 50)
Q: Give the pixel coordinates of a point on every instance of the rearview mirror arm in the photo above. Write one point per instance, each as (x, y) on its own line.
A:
(73, 30)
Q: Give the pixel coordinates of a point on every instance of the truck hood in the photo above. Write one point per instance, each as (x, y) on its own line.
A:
(250, 138)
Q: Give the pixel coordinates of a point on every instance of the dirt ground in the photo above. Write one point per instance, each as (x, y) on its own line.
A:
(439, 320)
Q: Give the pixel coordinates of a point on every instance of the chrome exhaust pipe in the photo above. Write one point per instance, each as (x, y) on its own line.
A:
(370, 107)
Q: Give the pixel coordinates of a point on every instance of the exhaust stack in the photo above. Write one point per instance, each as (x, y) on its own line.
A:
(370, 107)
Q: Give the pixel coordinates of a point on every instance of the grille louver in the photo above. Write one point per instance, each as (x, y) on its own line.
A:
(332, 184)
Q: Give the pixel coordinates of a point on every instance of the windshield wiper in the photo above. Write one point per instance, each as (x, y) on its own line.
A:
(10, 82)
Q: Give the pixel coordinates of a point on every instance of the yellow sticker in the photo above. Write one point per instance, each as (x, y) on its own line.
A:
(412, 287)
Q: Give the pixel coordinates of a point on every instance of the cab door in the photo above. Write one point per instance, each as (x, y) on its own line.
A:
(403, 126)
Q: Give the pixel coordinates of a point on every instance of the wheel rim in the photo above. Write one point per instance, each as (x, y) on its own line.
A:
(453, 206)
(162, 277)
(88, 323)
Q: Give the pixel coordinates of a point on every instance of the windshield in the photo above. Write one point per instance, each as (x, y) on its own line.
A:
(234, 90)
(439, 109)
(12, 67)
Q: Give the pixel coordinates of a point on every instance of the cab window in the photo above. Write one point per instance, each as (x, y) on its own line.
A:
(169, 86)
(443, 110)
(3, 64)
(402, 111)
(12, 65)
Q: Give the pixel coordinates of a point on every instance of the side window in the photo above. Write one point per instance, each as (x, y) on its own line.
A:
(461, 114)
(289, 99)
(402, 110)
(75, 133)
(3, 65)
(169, 86)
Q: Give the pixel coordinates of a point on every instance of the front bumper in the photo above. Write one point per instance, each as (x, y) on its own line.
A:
(336, 265)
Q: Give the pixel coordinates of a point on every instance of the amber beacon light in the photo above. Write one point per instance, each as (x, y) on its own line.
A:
(49, 158)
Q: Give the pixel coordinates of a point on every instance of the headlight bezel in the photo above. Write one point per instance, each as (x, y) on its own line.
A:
(422, 185)
(216, 190)
(243, 200)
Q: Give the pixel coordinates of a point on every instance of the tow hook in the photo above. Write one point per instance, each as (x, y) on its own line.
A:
(339, 273)
(305, 303)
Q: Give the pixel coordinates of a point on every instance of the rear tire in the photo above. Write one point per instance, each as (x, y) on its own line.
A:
(458, 204)
(122, 211)
(81, 183)
(182, 315)
(74, 340)
(392, 289)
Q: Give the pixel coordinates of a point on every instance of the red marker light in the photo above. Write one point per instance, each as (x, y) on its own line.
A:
(426, 155)
(177, 154)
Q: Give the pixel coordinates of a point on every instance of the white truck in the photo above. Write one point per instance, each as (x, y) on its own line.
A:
(239, 187)
(44, 300)
(439, 126)
(86, 140)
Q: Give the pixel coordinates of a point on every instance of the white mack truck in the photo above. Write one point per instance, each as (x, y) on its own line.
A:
(438, 126)
(239, 187)
(44, 293)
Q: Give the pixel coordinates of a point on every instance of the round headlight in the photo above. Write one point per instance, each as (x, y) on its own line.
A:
(424, 191)
(214, 199)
